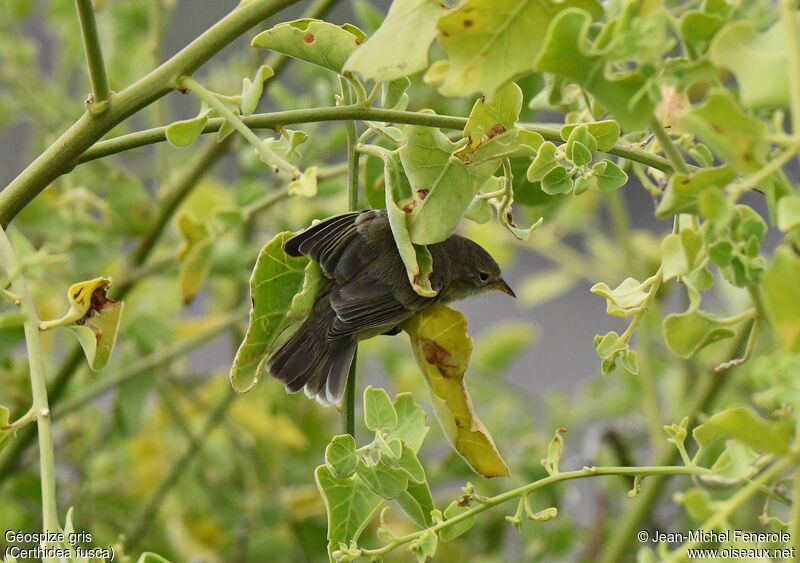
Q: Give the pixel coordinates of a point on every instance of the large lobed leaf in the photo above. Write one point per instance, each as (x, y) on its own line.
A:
(443, 348)
(400, 46)
(276, 279)
(489, 42)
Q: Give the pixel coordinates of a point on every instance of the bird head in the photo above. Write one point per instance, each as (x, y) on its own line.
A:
(472, 270)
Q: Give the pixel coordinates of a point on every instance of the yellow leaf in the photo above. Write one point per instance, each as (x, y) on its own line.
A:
(442, 347)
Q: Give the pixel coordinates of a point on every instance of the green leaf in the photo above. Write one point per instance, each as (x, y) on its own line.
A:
(276, 278)
(442, 348)
(734, 136)
(349, 503)
(341, 456)
(489, 42)
(606, 133)
(417, 503)
(745, 425)
(252, 91)
(683, 191)
(479, 211)
(789, 212)
(379, 413)
(424, 546)
(697, 502)
(782, 297)
(185, 132)
(306, 184)
(752, 56)
(557, 181)
(580, 135)
(411, 427)
(392, 92)
(194, 255)
(609, 176)
(687, 333)
(698, 29)
(382, 479)
(321, 43)
(443, 187)
(400, 46)
(303, 302)
(98, 332)
(610, 348)
(566, 53)
(491, 130)
(580, 155)
(409, 464)
(454, 530)
(624, 300)
(680, 253)
(736, 464)
(416, 259)
(544, 162)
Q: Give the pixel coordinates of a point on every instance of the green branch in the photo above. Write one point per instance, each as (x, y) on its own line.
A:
(267, 155)
(345, 113)
(675, 157)
(525, 490)
(101, 91)
(38, 384)
(61, 156)
(349, 400)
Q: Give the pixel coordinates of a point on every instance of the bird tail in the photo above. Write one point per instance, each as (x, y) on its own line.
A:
(309, 361)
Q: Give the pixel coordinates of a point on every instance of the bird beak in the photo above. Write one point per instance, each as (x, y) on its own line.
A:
(501, 285)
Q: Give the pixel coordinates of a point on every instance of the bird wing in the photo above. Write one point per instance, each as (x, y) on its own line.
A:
(370, 294)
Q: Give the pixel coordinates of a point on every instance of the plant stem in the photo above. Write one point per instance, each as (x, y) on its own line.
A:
(267, 155)
(344, 113)
(675, 157)
(38, 386)
(101, 91)
(349, 401)
(62, 154)
(525, 490)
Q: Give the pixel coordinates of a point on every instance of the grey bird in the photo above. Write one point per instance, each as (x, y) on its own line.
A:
(365, 292)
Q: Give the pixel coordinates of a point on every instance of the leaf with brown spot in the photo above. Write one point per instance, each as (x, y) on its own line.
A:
(321, 43)
(94, 318)
(442, 347)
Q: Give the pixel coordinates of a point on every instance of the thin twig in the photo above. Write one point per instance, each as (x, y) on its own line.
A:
(344, 113)
(349, 402)
(101, 91)
(38, 386)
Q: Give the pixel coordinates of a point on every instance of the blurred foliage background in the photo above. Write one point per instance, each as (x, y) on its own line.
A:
(157, 453)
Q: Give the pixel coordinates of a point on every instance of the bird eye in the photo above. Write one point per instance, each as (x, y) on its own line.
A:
(483, 276)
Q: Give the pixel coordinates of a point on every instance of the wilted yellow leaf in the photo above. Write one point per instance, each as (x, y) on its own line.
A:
(443, 348)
